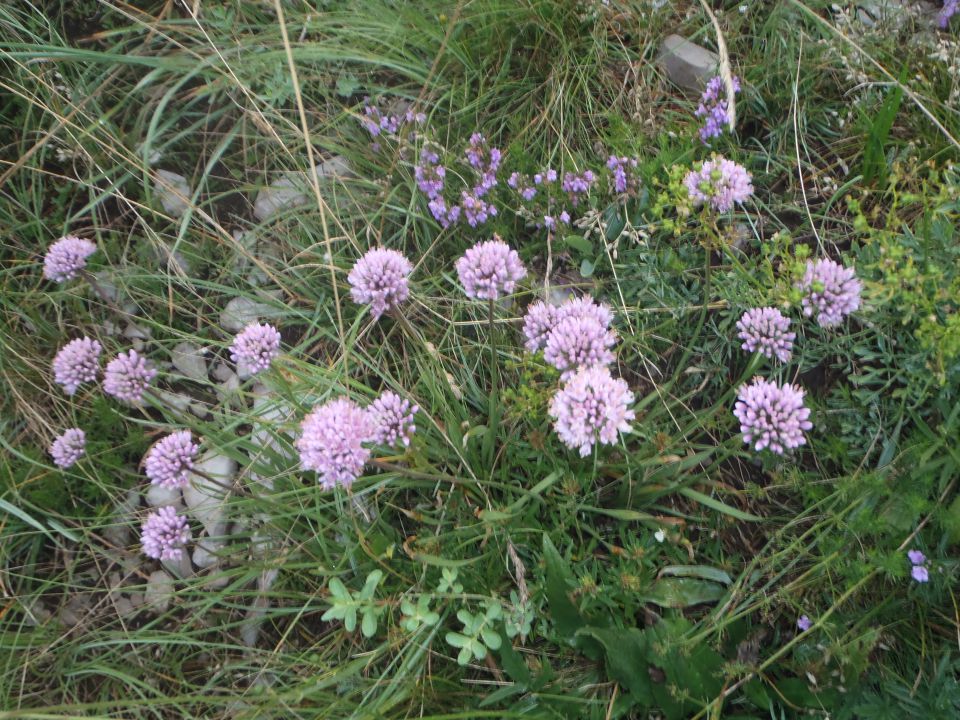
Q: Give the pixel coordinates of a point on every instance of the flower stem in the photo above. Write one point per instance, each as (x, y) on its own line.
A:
(493, 403)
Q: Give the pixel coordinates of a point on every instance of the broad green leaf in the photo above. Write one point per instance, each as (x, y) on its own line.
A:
(703, 572)
(683, 592)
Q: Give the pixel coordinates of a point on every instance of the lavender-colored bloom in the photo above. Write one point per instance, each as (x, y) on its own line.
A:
(550, 175)
(578, 342)
(521, 183)
(164, 533)
(67, 257)
(430, 174)
(949, 9)
(540, 319)
(577, 185)
(920, 573)
(392, 419)
(586, 307)
(830, 290)
(68, 447)
(475, 209)
(332, 442)
(804, 623)
(719, 183)
(766, 330)
(772, 416)
(379, 279)
(75, 363)
(714, 109)
(127, 376)
(623, 173)
(916, 557)
(444, 215)
(485, 160)
(169, 462)
(255, 347)
(591, 407)
(490, 269)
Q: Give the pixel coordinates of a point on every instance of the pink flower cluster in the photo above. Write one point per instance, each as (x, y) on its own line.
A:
(576, 334)
(379, 279)
(76, 363)
(830, 291)
(68, 447)
(766, 330)
(169, 462)
(719, 183)
(772, 416)
(591, 407)
(164, 533)
(255, 347)
(128, 376)
(490, 269)
(66, 258)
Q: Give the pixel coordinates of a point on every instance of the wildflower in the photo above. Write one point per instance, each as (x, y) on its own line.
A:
(623, 173)
(169, 462)
(829, 290)
(392, 419)
(68, 447)
(586, 306)
(75, 363)
(804, 623)
(67, 257)
(577, 342)
(379, 279)
(164, 533)
(521, 183)
(765, 330)
(444, 215)
(475, 209)
(127, 376)
(916, 557)
(430, 174)
(540, 319)
(714, 109)
(577, 185)
(949, 9)
(255, 347)
(920, 573)
(489, 269)
(659, 535)
(591, 407)
(772, 416)
(486, 161)
(332, 441)
(719, 183)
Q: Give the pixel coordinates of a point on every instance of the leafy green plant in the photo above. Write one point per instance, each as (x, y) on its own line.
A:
(346, 605)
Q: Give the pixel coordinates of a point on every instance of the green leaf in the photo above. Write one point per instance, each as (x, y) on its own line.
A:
(457, 640)
(703, 572)
(717, 505)
(684, 592)
(586, 268)
(578, 242)
(626, 653)
(370, 586)
(350, 619)
(338, 590)
(556, 587)
(368, 627)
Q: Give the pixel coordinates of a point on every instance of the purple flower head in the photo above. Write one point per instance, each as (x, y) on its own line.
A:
(577, 185)
(331, 442)
(714, 109)
(719, 183)
(949, 9)
(67, 257)
(540, 319)
(255, 347)
(521, 183)
(169, 462)
(68, 447)
(444, 215)
(766, 330)
(591, 407)
(564, 217)
(920, 573)
(164, 533)
(76, 362)
(623, 174)
(475, 209)
(772, 416)
(916, 557)
(127, 376)
(578, 342)
(430, 174)
(392, 419)
(586, 306)
(490, 269)
(550, 175)
(830, 290)
(379, 279)
(481, 156)
(804, 623)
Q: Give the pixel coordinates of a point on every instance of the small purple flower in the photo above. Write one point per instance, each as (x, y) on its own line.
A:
(379, 279)
(586, 307)
(591, 407)
(920, 573)
(540, 319)
(393, 419)
(550, 175)
(68, 447)
(430, 174)
(475, 209)
(623, 172)
(255, 347)
(332, 442)
(949, 9)
(127, 376)
(766, 330)
(916, 557)
(577, 185)
(67, 257)
(75, 363)
(521, 183)
(164, 533)
(829, 290)
(444, 215)
(714, 109)
(772, 416)
(578, 342)
(564, 217)
(804, 623)
(169, 462)
(490, 269)
(719, 183)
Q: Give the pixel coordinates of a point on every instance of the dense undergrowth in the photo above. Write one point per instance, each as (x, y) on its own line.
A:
(487, 570)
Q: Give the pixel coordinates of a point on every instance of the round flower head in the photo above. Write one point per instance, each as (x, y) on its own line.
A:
(332, 439)
(719, 183)
(67, 257)
(540, 319)
(765, 330)
(68, 447)
(772, 416)
(392, 419)
(379, 279)
(591, 407)
(255, 347)
(490, 269)
(164, 533)
(804, 623)
(830, 290)
(920, 573)
(77, 362)
(578, 342)
(169, 462)
(127, 376)
(916, 557)
(585, 307)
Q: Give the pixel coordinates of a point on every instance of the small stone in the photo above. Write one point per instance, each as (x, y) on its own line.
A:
(108, 286)
(241, 311)
(250, 628)
(173, 192)
(205, 553)
(75, 610)
(292, 189)
(687, 64)
(188, 358)
(118, 532)
(159, 496)
(205, 496)
(159, 591)
(124, 607)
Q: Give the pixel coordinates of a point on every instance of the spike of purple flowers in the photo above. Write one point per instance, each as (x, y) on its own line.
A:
(66, 258)
(591, 407)
(333, 441)
(772, 416)
(714, 108)
(169, 462)
(68, 447)
(577, 185)
(128, 376)
(766, 330)
(164, 533)
(75, 363)
(623, 171)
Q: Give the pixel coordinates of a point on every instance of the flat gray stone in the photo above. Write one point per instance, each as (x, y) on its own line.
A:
(687, 64)
(188, 358)
(241, 311)
(159, 591)
(292, 189)
(173, 192)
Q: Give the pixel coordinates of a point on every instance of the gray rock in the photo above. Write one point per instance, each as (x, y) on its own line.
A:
(241, 311)
(158, 496)
(206, 496)
(159, 591)
(687, 64)
(205, 553)
(188, 358)
(173, 192)
(250, 627)
(292, 189)
(124, 607)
